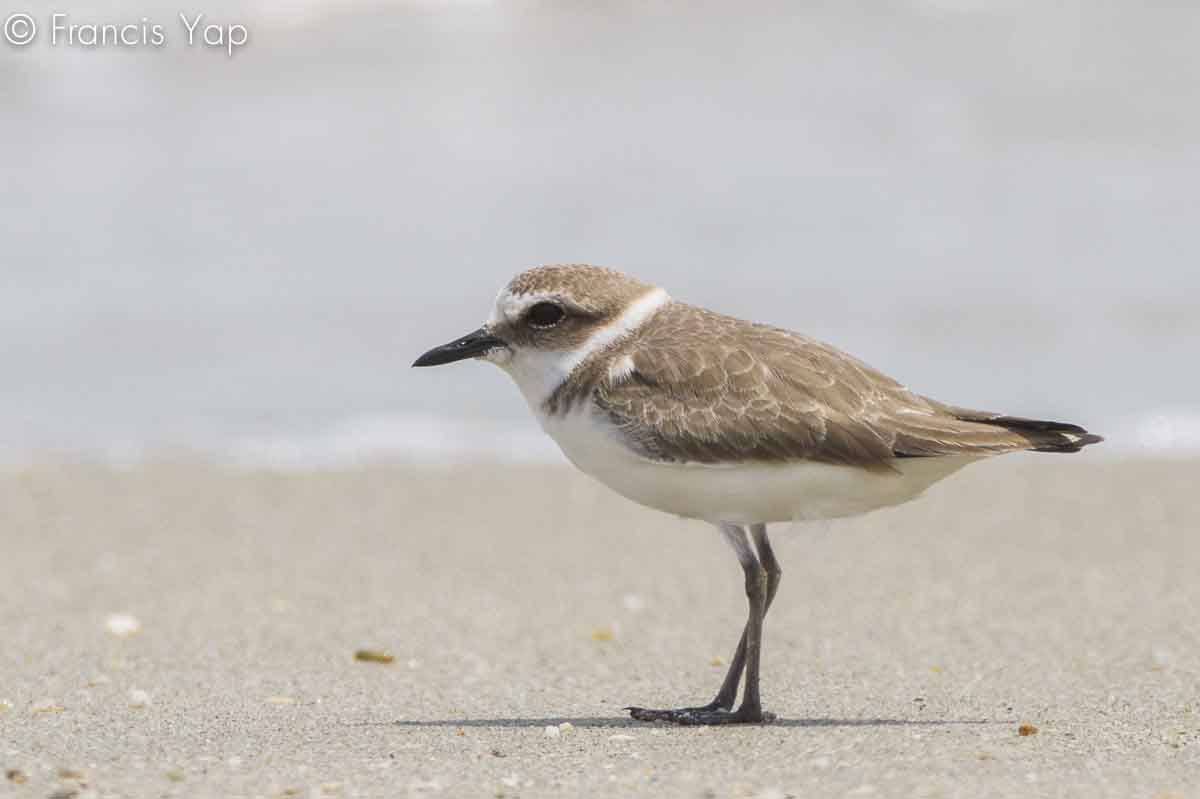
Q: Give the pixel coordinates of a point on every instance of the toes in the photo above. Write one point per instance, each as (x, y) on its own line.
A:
(701, 716)
(644, 714)
(708, 718)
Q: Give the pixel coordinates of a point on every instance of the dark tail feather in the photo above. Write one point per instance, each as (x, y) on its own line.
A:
(1043, 436)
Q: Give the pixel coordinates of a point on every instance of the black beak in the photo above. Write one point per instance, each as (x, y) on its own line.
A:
(475, 343)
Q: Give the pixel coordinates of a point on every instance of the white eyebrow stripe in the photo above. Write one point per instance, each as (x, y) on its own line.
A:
(509, 307)
(633, 317)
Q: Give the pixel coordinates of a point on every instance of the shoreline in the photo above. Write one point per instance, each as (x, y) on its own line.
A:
(905, 650)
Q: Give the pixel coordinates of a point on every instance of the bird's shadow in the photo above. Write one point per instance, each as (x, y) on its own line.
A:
(617, 722)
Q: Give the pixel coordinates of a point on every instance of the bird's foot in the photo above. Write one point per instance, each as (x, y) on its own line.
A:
(706, 715)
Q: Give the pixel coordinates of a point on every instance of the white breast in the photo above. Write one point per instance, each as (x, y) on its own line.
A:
(743, 493)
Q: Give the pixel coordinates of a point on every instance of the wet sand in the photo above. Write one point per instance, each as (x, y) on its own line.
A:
(185, 630)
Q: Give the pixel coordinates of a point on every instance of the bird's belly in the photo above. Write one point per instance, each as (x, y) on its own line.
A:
(743, 493)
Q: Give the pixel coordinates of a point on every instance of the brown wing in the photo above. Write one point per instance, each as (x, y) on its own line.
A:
(707, 388)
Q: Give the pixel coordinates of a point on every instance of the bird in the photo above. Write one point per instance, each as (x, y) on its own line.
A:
(731, 422)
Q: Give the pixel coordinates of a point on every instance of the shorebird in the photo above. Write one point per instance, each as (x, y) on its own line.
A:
(735, 423)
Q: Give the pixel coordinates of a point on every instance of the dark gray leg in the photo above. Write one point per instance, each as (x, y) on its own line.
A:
(762, 580)
(760, 596)
(766, 556)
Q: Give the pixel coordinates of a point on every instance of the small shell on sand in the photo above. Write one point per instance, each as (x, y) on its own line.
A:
(374, 656)
(606, 633)
(122, 625)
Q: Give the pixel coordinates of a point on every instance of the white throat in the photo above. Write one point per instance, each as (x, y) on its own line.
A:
(539, 372)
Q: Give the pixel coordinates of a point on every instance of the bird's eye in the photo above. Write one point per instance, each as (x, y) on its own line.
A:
(545, 314)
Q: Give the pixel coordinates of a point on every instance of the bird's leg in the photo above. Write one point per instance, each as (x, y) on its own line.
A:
(761, 582)
(751, 707)
(766, 556)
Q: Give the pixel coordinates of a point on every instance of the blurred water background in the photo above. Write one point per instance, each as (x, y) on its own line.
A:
(995, 202)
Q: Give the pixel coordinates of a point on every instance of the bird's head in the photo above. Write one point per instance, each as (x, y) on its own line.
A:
(549, 319)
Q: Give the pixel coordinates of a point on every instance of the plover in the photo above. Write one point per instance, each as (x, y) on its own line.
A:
(731, 422)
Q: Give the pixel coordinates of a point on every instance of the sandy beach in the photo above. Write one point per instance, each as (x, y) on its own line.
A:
(179, 629)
